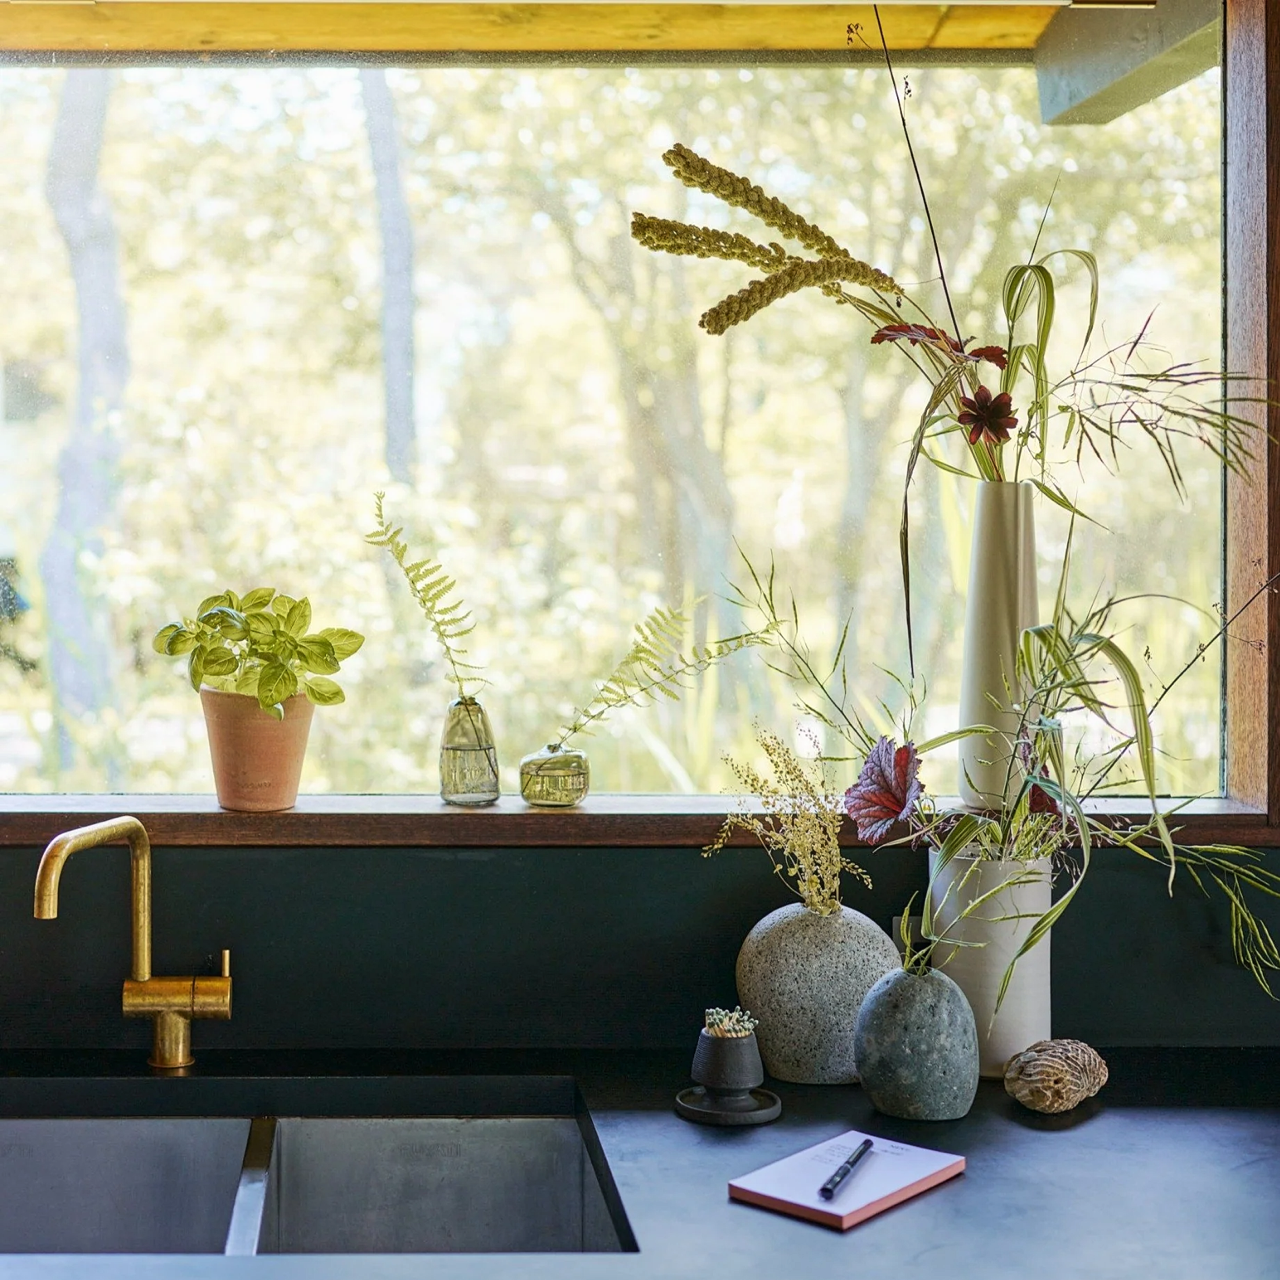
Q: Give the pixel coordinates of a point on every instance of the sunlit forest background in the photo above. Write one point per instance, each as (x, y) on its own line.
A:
(238, 301)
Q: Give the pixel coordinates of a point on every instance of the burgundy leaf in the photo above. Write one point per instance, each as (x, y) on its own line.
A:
(914, 333)
(887, 789)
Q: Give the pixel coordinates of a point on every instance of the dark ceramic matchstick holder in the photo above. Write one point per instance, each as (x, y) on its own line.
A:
(727, 1065)
(729, 1074)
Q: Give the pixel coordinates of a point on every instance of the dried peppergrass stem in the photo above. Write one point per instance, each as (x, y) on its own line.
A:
(665, 235)
(785, 273)
(800, 273)
(694, 171)
(800, 827)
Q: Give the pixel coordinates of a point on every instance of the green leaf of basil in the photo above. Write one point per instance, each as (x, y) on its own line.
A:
(344, 641)
(257, 599)
(276, 683)
(299, 618)
(324, 693)
(212, 602)
(163, 636)
(219, 662)
(317, 655)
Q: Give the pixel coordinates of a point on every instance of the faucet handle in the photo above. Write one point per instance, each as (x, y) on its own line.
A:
(226, 963)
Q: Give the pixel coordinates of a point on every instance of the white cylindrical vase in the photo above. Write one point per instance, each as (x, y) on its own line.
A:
(1001, 926)
(1002, 602)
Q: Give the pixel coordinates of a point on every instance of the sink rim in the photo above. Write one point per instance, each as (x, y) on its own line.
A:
(320, 1097)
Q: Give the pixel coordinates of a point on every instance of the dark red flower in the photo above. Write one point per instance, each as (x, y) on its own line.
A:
(988, 417)
(886, 789)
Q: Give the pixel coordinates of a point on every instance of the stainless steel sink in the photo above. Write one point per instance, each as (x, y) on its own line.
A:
(511, 1184)
(353, 1164)
(118, 1186)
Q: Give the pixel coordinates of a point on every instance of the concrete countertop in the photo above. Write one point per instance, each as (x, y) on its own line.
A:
(1174, 1171)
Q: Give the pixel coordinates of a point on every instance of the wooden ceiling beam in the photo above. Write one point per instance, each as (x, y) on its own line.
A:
(192, 26)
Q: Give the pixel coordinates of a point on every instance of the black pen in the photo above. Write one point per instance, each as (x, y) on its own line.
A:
(832, 1184)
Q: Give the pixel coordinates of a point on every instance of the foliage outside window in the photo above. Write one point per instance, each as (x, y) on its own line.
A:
(539, 406)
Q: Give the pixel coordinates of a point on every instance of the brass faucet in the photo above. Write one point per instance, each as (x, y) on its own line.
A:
(172, 1002)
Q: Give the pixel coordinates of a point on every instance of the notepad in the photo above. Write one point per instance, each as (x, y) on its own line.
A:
(890, 1173)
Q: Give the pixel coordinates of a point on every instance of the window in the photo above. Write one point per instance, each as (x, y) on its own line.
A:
(561, 405)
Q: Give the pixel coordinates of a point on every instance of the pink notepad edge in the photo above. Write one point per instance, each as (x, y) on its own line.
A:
(842, 1222)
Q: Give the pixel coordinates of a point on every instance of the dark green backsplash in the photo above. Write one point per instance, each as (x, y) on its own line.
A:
(409, 948)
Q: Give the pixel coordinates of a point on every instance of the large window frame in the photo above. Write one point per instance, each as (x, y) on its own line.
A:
(1248, 813)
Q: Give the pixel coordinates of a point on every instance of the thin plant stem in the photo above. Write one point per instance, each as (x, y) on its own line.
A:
(924, 199)
(1220, 634)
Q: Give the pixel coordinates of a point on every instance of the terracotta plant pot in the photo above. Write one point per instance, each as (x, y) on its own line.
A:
(257, 759)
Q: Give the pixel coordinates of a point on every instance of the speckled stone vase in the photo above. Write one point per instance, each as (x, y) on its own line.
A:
(804, 977)
(917, 1046)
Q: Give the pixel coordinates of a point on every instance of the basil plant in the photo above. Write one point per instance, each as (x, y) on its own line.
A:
(259, 644)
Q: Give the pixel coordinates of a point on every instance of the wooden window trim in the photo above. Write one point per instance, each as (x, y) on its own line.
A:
(1249, 813)
(1251, 236)
(386, 821)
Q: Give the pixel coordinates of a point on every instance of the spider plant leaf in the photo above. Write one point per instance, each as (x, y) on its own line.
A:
(963, 833)
(1060, 499)
(1066, 801)
(1144, 741)
(955, 735)
(1091, 266)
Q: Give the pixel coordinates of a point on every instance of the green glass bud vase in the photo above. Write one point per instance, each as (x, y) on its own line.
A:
(468, 758)
(555, 777)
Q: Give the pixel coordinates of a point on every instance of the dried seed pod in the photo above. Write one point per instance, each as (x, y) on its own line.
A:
(1054, 1075)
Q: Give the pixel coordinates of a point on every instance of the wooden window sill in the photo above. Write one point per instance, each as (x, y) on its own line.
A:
(633, 821)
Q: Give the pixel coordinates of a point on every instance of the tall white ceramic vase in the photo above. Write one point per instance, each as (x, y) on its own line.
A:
(1002, 602)
(1002, 926)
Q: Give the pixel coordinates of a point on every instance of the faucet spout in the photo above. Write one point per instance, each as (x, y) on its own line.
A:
(114, 831)
(171, 1003)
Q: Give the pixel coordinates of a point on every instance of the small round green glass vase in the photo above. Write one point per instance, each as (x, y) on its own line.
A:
(468, 757)
(555, 777)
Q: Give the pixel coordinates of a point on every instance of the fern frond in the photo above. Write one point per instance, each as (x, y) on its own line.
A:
(432, 588)
(657, 667)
